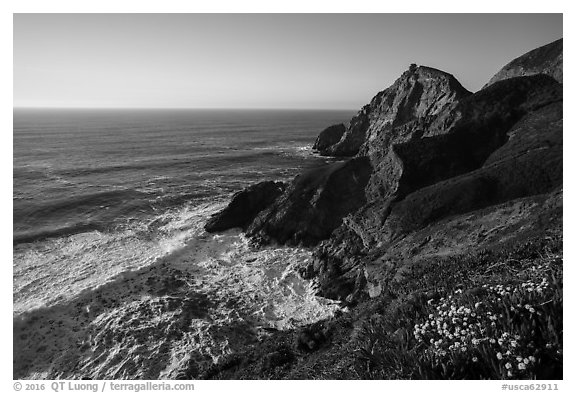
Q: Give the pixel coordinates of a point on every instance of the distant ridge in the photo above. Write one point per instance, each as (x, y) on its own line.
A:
(546, 59)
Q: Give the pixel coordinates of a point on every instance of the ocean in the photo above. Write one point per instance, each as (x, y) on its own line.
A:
(113, 274)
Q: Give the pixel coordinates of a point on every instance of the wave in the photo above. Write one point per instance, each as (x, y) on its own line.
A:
(199, 297)
(33, 236)
(39, 220)
(70, 202)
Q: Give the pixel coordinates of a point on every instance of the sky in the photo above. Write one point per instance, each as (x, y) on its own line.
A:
(311, 61)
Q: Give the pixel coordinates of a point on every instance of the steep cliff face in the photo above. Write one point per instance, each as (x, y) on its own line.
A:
(245, 206)
(440, 181)
(395, 114)
(329, 136)
(546, 59)
(427, 153)
(501, 143)
(314, 204)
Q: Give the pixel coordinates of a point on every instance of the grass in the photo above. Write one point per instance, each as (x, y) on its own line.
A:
(485, 316)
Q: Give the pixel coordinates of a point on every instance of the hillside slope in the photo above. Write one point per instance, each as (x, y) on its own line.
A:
(546, 59)
(449, 201)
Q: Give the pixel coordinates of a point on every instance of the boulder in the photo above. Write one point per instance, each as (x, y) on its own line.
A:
(245, 206)
(329, 136)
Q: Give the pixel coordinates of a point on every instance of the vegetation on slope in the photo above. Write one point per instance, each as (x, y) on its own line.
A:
(489, 315)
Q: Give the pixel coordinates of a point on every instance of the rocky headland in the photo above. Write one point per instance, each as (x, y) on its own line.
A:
(439, 189)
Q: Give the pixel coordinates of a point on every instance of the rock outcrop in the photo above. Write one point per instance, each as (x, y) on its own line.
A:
(430, 160)
(546, 59)
(455, 171)
(418, 96)
(317, 202)
(314, 204)
(329, 137)
(245, 206)
(442, 189)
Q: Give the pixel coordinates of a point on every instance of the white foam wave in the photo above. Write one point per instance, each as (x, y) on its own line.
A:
(54, 270)
(151, 302)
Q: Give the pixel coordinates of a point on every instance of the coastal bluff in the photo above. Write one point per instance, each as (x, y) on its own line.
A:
(423, 151)
(440, 200)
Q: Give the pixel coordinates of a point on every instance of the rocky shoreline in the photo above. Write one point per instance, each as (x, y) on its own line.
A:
(432, 173)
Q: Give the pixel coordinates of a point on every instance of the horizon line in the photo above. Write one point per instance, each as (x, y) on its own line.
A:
(176, 108)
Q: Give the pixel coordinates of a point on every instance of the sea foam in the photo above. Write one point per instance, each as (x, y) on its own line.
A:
(160, 297)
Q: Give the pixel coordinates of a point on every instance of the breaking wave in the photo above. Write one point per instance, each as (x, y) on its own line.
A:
(158, 298)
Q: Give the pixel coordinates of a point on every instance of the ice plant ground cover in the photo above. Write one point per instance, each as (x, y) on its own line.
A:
(485, 316)
(511, 297)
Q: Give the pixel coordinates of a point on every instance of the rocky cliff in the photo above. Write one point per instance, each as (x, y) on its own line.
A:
(441, 194)
(314, 204)
(426, 153)
(245, 206)
(329, 137)
(417, 97)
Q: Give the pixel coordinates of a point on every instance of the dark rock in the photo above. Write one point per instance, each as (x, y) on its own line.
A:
(434, 176)
(314, 204)
(312, 337)
(492, 228)
(475, 129)
(328, 137)
(420, 94)
(245, 205)
(544, 60)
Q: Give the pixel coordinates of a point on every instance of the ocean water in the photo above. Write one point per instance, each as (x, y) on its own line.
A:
(113, 274)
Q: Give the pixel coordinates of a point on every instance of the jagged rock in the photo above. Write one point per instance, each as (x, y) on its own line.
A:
(420, 94)
(426, 179)
(515, 170)
(329, 136)
(546, 59)
(314, 204)
(425, 150)
(245, 205)
(461, 140)
(317, 202)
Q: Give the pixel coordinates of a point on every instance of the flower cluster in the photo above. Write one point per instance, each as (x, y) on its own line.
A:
(495, 327)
